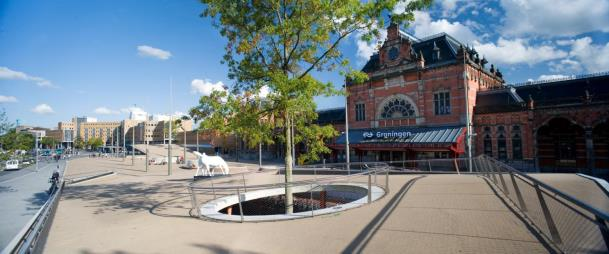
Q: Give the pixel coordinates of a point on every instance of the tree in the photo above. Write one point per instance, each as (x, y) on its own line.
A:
(79, 143)
(277, 45)
(5, 125)
(49, 142)
(94, 143)
(13, 140)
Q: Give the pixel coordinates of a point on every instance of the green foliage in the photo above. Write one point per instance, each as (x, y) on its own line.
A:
(175, 127)
(278, 45)
(5, 125)
(13, 140)
(49, 142)
(95, 143)
(79, 143)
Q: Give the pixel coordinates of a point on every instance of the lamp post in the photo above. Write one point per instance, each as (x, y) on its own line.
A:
(347, 131)
(170, 125)
(133, 146)
(36, 148)
(124, 144)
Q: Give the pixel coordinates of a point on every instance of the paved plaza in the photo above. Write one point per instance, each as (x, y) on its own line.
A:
(135, 211)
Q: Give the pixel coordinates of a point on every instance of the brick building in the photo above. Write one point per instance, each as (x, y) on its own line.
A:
(418, 99)
(422, 93)
(555, 126)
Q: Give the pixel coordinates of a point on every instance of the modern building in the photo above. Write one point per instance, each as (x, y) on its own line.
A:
(113, 133)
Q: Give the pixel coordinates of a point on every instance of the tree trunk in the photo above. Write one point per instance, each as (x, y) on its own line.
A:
(288, 166)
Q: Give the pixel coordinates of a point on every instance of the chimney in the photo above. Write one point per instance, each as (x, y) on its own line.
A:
(393, 31)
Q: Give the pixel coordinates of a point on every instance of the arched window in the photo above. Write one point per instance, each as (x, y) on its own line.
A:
(516, 147)
(488, 145)
(501, 149)
(516, 143)
(397, 108)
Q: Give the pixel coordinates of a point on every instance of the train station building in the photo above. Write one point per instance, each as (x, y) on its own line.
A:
(422, 93)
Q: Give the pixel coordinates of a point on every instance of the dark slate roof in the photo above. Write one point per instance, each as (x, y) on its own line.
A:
(331, 116)
(499, 100)
(447, 45)
(419, 135)
(547, 93)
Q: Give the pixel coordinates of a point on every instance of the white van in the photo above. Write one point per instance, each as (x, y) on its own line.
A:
(12, 164)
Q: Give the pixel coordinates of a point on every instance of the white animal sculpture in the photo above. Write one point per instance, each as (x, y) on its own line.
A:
(207, 164)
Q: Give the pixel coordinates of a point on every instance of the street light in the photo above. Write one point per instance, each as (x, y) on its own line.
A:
(347, 131)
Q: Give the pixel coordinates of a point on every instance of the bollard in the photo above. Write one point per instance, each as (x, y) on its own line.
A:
(244, 187)
(369, 189)
(386, 181)
(311, 199)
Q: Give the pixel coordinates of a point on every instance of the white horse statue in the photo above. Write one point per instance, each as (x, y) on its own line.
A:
(206, 165)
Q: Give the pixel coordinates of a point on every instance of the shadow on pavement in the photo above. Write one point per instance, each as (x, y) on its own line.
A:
(217, 249)
(361, 240)
(130, 197)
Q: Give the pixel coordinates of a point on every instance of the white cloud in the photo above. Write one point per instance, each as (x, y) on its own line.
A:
(206, 87)
(4, 98)
(592, 56)
(106, 111)
(424, 26)
(555, 17)
(264, 91)
(517, 51)
(132, 109)
(144, 50)
(43, 109)
(553, 76)
(565, 65)
(6, 73)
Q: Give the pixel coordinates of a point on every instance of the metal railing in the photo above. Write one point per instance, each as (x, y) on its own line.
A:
(310, 191)
(26, 241)
(570, 224)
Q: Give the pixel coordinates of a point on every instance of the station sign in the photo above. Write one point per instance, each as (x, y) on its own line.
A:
(386, 134)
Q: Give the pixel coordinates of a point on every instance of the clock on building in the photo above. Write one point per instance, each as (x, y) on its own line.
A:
(393, 53)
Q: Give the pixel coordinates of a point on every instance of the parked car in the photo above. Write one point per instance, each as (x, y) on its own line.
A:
(12, 165)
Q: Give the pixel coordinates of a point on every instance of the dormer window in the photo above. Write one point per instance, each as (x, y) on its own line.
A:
(436, 52)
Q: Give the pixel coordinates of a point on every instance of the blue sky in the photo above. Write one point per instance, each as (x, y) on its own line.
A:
(59, 59)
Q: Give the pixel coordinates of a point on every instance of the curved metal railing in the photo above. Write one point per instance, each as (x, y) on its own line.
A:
(570, 224)
(213, 188)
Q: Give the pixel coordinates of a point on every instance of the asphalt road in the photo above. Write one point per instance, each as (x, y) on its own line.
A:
(22, 193)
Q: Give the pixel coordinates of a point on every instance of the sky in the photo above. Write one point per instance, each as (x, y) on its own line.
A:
(103, 59)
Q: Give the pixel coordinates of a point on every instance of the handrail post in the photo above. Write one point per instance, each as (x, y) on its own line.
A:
(193, 200)
(387, 180)
(213, 190)
(491, 171)
(523, 206)
(311, 199)
(244, 186)
(505, 189)
(369, 188)
(548, 216)
(375, 177)
(240, 206)
(429, 165)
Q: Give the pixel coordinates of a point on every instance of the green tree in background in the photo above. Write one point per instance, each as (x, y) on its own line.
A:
(95, 143)
(5, 125)
(49, 142)
(13, 140)
(79, 143)
(277, 46)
